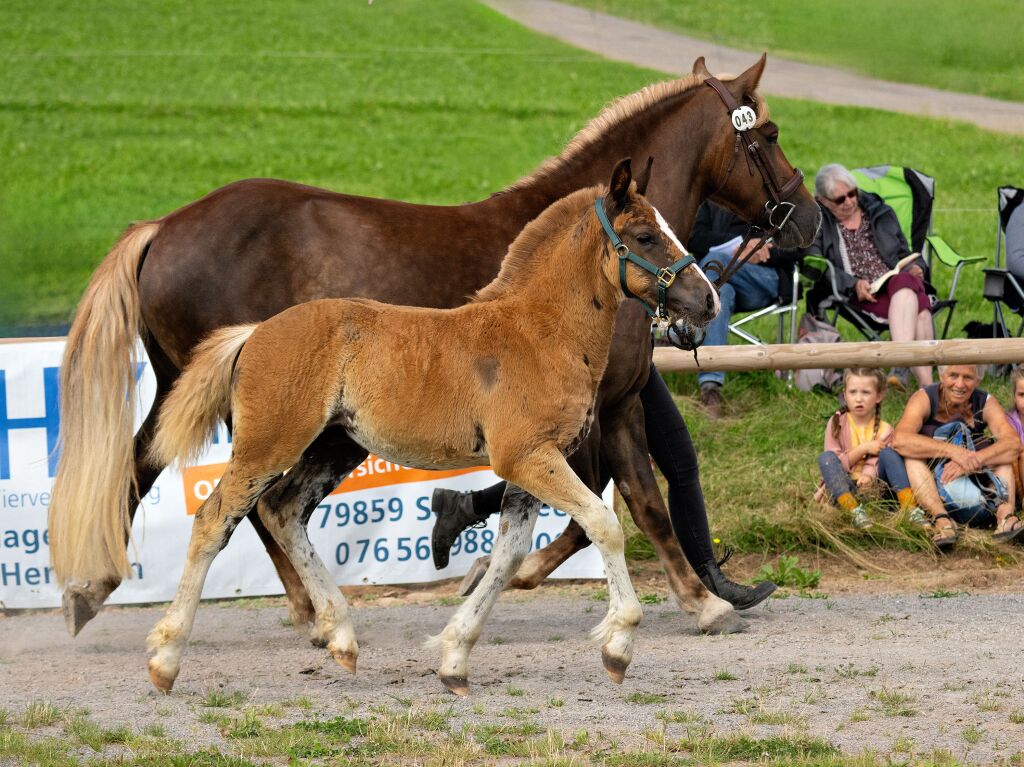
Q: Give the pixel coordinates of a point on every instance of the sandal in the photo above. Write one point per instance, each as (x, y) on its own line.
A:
(945, 537)
(1004, 534)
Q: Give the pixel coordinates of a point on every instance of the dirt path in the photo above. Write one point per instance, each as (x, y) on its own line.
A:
(622, 40)
(861, 671)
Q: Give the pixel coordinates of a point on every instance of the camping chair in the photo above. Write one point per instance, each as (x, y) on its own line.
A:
(1001, 285)
(780, 308)
(911, 194)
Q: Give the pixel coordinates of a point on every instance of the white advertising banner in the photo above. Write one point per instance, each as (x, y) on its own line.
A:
(373, 529)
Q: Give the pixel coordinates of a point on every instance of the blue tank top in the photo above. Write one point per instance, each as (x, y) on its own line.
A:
(978, 399)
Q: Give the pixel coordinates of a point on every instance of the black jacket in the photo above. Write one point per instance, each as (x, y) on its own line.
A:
(715, 225)
(885, 231)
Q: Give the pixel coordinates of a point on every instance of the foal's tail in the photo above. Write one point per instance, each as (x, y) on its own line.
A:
(201, 396)
(89, 516)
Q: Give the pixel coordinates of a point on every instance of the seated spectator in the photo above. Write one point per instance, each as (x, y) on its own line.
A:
(861, 236)
(766, 276)
(1015, 255)
(858, 450)
(957, 471)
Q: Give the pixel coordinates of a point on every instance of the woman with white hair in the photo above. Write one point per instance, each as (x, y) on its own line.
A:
(960, 450)
(861, 236)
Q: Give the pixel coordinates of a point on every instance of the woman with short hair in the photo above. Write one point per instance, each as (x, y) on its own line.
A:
(861, 237)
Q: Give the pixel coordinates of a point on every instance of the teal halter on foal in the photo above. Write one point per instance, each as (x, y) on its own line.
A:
(666, 275)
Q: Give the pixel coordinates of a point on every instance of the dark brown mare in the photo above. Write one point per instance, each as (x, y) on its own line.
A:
(251, 249)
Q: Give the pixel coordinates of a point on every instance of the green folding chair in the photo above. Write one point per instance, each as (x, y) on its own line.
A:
(911, 194)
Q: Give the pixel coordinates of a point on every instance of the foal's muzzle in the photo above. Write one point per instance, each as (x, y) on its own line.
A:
(682, 335)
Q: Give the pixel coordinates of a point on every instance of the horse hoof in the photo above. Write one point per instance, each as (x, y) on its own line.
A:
(474, 576)
(726, 623)
(614, 667)
(160, 679)
(80, 604)
(347, 660)
(456, 684)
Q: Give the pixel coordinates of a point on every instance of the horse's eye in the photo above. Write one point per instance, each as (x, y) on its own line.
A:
(772, 138)
(644, 239)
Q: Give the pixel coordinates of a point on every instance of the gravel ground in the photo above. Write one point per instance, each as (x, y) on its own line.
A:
(830, 666)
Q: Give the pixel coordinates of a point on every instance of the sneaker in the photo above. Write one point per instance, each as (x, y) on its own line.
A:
(861, 520)
(711, 399)
(919, 516)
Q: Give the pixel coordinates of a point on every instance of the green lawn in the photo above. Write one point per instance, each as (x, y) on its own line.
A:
(971, 47)
(121, 111)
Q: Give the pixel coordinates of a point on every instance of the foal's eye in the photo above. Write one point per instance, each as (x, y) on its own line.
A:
(644, 239)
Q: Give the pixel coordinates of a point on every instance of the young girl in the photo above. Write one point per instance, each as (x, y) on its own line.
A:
(858, 449)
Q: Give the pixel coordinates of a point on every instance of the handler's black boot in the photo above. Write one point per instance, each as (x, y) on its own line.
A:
(739, 596)
(455, 512)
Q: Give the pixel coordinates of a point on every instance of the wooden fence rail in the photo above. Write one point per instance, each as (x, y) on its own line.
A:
(958, 351)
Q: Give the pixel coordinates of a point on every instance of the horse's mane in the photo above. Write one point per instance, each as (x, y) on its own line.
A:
(619, 111)
(557, 216)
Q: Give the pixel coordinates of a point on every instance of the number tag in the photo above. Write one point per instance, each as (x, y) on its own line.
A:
(743, 118)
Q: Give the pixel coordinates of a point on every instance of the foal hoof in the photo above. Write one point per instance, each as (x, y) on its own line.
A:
(80, 603)
(161, 679)
(347, 660)
(614, 667)
(456, 684)
(474, 576)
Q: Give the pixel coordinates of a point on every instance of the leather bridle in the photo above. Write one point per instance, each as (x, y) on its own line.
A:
(777, 207)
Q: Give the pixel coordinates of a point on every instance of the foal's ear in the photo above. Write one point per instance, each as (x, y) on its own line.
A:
(747, 83)
(644, 176)
(700, 68)
(618, 188)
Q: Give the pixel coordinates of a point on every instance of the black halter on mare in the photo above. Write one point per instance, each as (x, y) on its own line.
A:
(666, 275)
(743, 119)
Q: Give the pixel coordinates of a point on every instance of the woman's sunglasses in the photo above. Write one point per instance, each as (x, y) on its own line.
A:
(843, 197)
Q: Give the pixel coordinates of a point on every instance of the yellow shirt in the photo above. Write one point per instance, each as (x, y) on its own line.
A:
(859, 435)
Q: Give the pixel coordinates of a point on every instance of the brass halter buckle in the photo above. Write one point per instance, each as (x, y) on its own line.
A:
(666, 277)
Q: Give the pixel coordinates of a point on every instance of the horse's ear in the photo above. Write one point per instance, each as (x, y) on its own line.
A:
(747, 83)
(644, 176)
(618, 188)
(700, 68)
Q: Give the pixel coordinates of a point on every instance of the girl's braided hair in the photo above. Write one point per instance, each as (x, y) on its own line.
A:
(876, 374)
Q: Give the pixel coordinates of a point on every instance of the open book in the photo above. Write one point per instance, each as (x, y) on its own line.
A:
(902, 264)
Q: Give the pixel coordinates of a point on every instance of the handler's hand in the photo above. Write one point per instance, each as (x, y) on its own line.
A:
(864, 481)
(916, 270)
(863, 288)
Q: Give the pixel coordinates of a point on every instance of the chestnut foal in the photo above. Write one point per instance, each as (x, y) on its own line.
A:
(508, 379)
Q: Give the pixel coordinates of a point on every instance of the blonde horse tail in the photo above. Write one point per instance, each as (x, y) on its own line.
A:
(89, 515)
(201, 396)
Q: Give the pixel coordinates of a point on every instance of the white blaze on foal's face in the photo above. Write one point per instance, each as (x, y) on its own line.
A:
(675, 241)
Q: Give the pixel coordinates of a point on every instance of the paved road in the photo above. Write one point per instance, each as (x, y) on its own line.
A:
(654, 48)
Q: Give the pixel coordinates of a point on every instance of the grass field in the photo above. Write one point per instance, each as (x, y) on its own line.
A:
(121, 111)
(969, 47)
